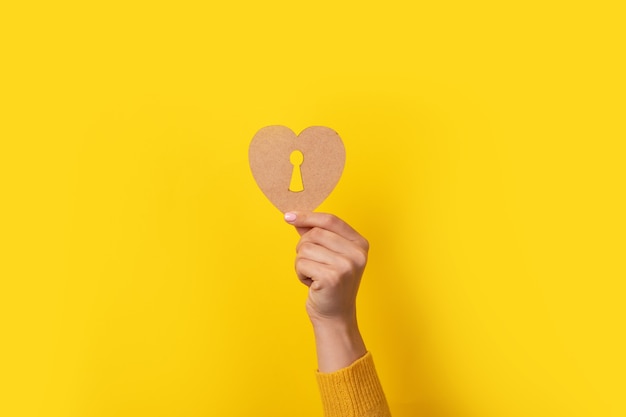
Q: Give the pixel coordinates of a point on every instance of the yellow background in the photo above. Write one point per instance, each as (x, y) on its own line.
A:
(144, 274)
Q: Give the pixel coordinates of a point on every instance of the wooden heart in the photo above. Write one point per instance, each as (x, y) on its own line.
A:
(321, 161)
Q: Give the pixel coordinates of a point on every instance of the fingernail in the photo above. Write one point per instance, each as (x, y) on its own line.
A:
(290, 217)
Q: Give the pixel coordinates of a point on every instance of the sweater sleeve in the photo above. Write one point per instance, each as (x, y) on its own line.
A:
(354, 391)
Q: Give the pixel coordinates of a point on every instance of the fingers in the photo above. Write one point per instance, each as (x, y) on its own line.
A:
(331, 256)
(333, 245)
(317, 253)
(317, 264)
(305, 221)
(310, 272)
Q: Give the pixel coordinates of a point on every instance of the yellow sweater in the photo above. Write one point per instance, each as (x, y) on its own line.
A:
(354, 391)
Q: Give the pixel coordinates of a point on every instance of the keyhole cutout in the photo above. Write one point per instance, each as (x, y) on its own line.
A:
(296, 158)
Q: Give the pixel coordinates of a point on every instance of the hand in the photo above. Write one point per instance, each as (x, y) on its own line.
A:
(331, 258)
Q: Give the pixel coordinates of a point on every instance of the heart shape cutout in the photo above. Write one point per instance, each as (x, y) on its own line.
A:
(321, 163)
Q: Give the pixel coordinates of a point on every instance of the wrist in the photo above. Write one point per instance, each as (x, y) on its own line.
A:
(337, 324)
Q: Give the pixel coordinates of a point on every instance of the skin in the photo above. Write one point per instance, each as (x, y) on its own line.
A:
(331, 257)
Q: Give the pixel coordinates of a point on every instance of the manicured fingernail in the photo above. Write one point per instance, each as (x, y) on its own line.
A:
(290, 217)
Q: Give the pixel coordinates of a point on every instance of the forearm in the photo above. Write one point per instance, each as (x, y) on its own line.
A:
(338, 343)
(347, 379)
(331, 257)
(354, 391)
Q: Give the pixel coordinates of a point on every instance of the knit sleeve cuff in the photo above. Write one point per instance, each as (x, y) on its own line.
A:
(353, 391)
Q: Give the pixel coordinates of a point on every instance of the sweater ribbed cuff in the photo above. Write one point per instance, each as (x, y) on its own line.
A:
(354, 391)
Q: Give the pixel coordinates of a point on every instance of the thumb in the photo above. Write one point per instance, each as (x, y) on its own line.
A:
(326, 221)
(290, 217)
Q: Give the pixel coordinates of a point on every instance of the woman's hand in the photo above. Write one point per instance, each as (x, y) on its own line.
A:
(331, 258)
